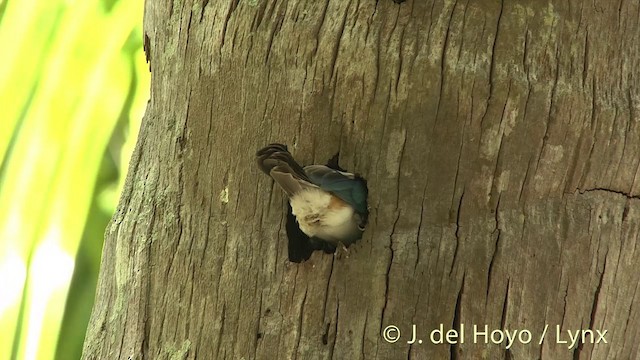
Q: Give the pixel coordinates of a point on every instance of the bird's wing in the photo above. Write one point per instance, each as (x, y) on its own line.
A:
(344, 185)
(276, 161)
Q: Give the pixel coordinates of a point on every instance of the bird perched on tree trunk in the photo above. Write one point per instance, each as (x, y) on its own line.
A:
(327, 205)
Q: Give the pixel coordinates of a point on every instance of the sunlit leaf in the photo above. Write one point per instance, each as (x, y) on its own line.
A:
(65, 75)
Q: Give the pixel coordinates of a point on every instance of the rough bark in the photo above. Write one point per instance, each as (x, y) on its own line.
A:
(500, 140)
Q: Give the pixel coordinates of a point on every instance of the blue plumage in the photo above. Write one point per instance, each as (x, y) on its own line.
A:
(348, 187)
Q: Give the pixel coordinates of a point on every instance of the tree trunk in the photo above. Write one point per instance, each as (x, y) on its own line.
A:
(501, 144)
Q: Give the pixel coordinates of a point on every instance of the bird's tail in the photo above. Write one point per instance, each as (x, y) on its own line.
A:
(276, 161)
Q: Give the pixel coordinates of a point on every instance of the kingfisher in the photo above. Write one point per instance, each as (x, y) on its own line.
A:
(327, 205)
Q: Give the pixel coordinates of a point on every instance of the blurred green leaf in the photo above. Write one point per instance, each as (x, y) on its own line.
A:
(66, 79)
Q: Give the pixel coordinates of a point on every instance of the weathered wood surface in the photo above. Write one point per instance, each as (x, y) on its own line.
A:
(501, 142)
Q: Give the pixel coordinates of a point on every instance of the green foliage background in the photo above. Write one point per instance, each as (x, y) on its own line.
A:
(73, 88)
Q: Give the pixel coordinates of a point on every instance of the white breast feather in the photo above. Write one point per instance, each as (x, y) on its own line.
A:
(310, 208)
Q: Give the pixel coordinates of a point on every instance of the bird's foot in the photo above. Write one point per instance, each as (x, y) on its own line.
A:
(341, 252)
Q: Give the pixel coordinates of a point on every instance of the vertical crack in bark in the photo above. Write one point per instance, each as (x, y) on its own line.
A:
(524, 179)
(551, 110)
(596, 298)
(259, 15)
(326, 291)
(191, 286)
(505, 306)
(433, 5)
(257, 329)
(320, 26)
(227, 17)
(570, 176)
(503, 319)
(424, 193)
(399, 175)
(335, 332)
(525, 51)
(454, 349)
(224, 258)
(336, 48)
(495, 249)
(300, 317)
(200, 332)
(400, 58)
(576, 351)
(120, 346)
(501, 131)
(508, 356)
(204, 7)
(219, 339)
(186, 42)
(325, 335)
(279, 232)
(277, 26)
(594, 309)
(626, 325)
(180, 144)
(364, 335)
(382, 135)
(376, 83)
(388, 275)
(587, 168)
(594, 131)
(624, 145)
(492, 65)
(564, 308)
(207, 233)
(443, 59)
(457, 234)
(256, 205)
(629, 123)
(236, 321)
(463, 27)
(585, 66)
(635, 177)
(632, 118)
(496, 214)
(145, 283)
(460, 151)
(393, 28)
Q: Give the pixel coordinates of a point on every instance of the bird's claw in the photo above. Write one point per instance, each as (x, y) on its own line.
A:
(341, 251)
